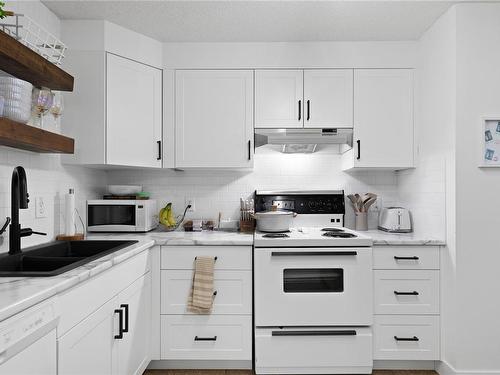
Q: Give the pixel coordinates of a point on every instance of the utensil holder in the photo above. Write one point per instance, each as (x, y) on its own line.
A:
(247, 226)
(361, 221)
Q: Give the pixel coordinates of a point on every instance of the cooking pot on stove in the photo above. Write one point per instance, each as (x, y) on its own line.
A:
(274, 221)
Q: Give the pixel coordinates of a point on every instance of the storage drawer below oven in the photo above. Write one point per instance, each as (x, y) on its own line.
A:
(345, 350)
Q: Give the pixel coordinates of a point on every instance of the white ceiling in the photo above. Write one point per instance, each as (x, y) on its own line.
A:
(262, 21)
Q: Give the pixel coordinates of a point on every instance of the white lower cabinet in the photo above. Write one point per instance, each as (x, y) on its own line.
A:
(90, 347)
(402, 337)
(406, 289)
(115, 337)
(206, 337)
(224, 334)
(135, 347)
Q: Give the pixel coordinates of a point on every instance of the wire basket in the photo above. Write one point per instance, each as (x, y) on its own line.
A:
(35, 37)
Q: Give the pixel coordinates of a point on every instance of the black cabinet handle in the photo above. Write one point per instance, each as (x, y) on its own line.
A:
(300, 110)
(359, 149)
(125, 308)
(249, 150)
(414, 293)
(159, 150)
(215, 259)
(348, 332)
(197, 338)
(308, 110)
(312, 253)
(406, 258)
(414, 338)
(215, 293)
(120, 324)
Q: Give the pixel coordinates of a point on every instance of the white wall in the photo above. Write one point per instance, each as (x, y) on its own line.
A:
(216, 191)
(429, 190)
(290, 55)
(477, 214)
(46, 176)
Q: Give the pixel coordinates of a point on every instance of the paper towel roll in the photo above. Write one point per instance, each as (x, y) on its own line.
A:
(70, 213)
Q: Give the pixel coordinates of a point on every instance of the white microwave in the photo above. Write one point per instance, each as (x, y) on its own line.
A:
(121, 215)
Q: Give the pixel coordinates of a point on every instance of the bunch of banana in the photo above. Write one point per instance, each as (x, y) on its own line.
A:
(166, 216)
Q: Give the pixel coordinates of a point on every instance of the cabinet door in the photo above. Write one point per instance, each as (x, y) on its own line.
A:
(134, 351)
(383, 118)
(278, 99)
(133, 112)
(328, 98)
(90, 347)
(214, 117)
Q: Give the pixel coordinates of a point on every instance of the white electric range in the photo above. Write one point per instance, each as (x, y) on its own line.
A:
(313, 289)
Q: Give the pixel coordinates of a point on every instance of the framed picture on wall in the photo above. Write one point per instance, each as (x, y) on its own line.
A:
(490, 142)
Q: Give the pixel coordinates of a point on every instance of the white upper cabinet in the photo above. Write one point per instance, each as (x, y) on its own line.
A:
(328, 98)
(115, 110)
(383, 120)
(214, 118)
(312, 98)
(279, 98)
(134, 113)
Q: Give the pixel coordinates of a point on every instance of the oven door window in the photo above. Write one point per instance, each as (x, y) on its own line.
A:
(313, 280)
(111, 215)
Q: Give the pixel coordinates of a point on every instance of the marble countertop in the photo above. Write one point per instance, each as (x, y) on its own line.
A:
(381, 238)
(180, 238)
(19, 293)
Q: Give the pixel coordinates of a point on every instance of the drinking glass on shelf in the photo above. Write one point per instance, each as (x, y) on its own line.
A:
(57, 105)
(42, 101)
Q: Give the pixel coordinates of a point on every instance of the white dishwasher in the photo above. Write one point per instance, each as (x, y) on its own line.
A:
(28, 342)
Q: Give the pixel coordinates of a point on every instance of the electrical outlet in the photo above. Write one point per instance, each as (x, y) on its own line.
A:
(192, 202)
(40, 208)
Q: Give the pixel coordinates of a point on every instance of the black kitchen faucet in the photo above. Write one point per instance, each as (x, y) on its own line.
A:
(19, 200)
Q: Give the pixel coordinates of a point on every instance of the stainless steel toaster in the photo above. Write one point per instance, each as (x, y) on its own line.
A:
(395, 220)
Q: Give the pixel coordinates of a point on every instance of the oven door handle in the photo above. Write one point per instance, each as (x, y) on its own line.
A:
(312, 253)
(345, 332)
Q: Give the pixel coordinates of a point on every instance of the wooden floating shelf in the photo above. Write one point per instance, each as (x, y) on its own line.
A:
(26, 137)
(21, 62)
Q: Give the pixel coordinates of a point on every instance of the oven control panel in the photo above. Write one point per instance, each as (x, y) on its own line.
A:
(301, 203)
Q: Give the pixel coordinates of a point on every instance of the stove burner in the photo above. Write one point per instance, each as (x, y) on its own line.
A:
(276, 235)
(339, 235)
(334, 230)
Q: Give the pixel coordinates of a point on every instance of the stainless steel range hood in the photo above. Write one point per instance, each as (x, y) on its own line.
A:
(303, 140)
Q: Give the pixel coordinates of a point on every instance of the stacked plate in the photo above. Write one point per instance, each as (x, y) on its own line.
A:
(17, 98)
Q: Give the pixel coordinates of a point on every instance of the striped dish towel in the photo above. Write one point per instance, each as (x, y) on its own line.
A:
(201, 296)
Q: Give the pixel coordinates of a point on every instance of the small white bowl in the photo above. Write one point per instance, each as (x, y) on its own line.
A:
(124, 189)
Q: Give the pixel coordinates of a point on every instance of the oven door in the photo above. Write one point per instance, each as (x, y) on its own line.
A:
(112, 217)
(313, 286)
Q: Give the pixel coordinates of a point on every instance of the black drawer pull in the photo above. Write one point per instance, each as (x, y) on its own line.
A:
(215, 259)
(249, 150)
(406, 258)
(348, 332)
(308, 110)
(414, 338)
(120, 324)
(359, 149)
(197, 338)
(125, 308)
(414, 293)
(300, 110)
(312, 253)
(215, 293)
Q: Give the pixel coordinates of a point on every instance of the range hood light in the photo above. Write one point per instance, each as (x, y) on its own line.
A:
(299, 148)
